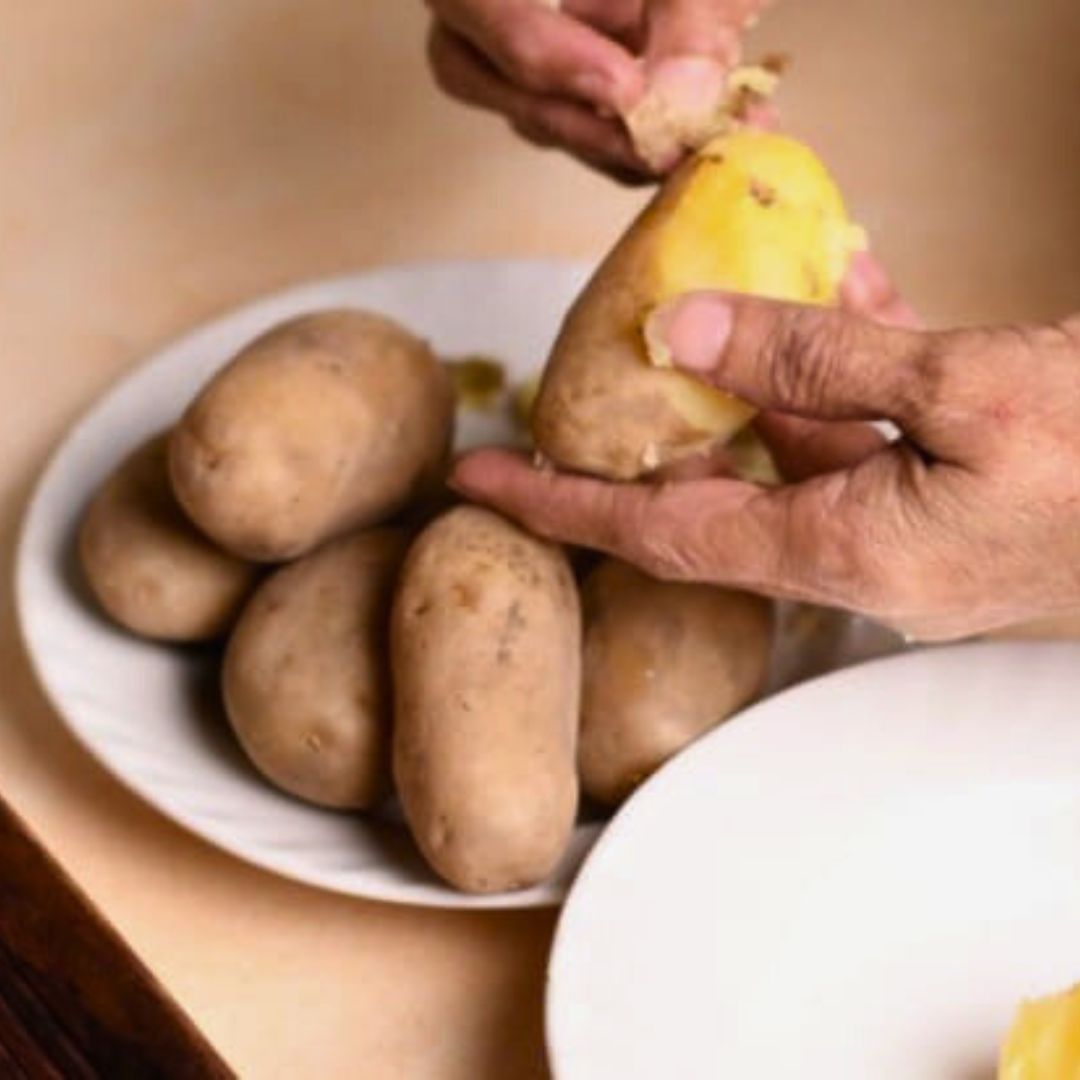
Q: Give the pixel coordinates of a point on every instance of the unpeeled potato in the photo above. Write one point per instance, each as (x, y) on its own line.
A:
(306, 675)
(330, 422)
(664, 662)
(753, 212)
(485, 643)
(148, 567)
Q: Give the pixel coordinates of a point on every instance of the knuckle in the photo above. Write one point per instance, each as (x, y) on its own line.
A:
(852, 561)
(439, 62)
(805, 351)
(934, 374)
(531, 127)
(639, 534)
(525, 54)
(444, 62)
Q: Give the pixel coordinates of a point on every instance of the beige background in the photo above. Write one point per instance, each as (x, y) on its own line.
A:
(161, 161)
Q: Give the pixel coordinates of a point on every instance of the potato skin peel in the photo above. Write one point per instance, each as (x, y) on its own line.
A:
(148, 567)
(329, 422)
(664, 662)
(753, 212)
(306, 678)
(486, 653)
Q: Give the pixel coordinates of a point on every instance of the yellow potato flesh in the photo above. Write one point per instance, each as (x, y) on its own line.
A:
(759, 215)
(1044, 1043)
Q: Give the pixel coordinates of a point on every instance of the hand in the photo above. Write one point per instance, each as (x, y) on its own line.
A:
(565, 77)
(969, 522)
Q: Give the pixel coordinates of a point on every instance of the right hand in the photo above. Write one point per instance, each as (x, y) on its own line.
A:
(968, 523)
(566, 77)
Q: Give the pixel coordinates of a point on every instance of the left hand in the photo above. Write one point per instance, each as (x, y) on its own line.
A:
(565, 76)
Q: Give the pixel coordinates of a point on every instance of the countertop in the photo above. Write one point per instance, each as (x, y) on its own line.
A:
(160, 163)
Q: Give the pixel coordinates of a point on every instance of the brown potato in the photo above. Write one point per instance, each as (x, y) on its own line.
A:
(148, 567)
(485, 646)
(663, 663)
(327, 423)
(306, 676)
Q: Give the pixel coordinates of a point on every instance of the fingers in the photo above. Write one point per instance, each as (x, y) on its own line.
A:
(813, 362)
(816, 541)
(465, 75)
(803, 448)
(666, 529)
(711, 28)
(690, 46)
(545, 51)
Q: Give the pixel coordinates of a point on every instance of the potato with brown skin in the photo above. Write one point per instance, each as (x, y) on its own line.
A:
(664, 662)
(327, 423)
(148, 567)
(306, 677)
(486, 651)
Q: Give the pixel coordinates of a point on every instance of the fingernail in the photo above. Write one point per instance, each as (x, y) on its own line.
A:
(690, 332)
(691, 88)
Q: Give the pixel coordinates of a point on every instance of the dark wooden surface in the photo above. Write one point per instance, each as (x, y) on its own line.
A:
(75, 1002)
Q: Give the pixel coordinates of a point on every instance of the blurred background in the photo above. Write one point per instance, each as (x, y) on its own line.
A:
(162, 162)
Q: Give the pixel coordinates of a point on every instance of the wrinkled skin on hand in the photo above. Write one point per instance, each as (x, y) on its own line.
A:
(969, 522)
(564, 75)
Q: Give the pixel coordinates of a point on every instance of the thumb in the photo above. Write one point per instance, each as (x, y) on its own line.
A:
(690, 46)
(709, 29)
(815, 362)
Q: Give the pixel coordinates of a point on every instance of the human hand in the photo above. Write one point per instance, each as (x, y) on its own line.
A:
(970, 521)
(565, 77)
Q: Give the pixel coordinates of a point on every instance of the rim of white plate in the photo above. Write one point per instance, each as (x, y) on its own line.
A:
(302, 295)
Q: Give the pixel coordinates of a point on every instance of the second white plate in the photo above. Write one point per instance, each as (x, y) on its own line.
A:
(859, 878)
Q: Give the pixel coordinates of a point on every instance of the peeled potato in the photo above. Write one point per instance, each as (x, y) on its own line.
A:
(664, 662)
(753, 212)
(148, 567)
(306, 675)
(330, 422)
(1044, 1043)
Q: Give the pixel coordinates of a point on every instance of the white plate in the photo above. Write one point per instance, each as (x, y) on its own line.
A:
(858, 879)
(149, 713)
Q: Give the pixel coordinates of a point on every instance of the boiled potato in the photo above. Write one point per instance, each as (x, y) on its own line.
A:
(327, 423)
(147, 565)
(663, 663)
(754, 212)
(485, 646)
(306, 673)
(1044, 1043)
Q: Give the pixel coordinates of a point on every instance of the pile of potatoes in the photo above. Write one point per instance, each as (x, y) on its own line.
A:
(407, 646)
(457, 664)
